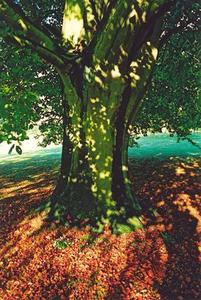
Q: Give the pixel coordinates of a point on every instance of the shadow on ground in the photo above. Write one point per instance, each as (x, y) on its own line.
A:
(170, 194)
(160, 262)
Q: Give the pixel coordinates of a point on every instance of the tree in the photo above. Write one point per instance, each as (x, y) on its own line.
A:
(104, 76)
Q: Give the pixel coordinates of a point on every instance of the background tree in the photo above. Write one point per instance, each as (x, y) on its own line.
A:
(104, 77)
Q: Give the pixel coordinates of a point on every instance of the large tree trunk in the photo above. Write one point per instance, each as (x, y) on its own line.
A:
(88, 187)
(103, 93)
(94, 181)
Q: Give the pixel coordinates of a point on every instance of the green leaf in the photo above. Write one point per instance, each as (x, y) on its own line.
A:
(62, 244)
(18, 150)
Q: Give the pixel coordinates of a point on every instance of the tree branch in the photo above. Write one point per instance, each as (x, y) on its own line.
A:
(44, 53)
(86, 24)
(167, 34)
(15, 18)
(94, 11)
(87, 55)
(26, 33)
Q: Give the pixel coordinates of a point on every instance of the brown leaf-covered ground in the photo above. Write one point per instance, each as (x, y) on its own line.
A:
(160, 261)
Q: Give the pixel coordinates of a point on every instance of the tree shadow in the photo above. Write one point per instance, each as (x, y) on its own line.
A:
(145, 265)
(182, 280)
(170, 194)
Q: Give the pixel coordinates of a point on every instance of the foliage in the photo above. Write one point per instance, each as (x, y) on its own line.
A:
(30, 92)
(17, 96)
(173, 98)
(30, 95)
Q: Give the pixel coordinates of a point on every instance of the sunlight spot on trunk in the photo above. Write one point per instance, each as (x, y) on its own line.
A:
(134, 64)
(133, 13)
(74, 180)
(127, 180)
(21, 22)
(93, 167)
(98, 80)
(94, 100)
(104, 174)
(94, 188)
(115, 73)
(154, 52)
(103, 109)
(124, 168)
(18, 40)
(100, 70)
(72, 26)
(103, 129)
(134, 76)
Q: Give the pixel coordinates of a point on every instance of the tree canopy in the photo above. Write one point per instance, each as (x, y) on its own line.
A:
(31, 95)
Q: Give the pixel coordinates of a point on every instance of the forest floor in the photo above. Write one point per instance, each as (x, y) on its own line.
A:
(160, 261)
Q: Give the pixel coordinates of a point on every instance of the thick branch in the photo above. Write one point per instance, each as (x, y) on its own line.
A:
(28, 34)
(15, 18)
(118, 29)
(84, 14)
(94, 11)
(100, 28)
(47, 55)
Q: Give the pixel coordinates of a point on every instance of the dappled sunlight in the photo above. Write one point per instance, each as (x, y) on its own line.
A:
(179, 171)
(34, 185)
(23, 187)
(169, 186)
(169, 192)
(52, 260)
(184, 204)
(88, 264)
(71, 227)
